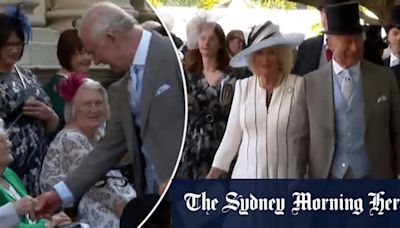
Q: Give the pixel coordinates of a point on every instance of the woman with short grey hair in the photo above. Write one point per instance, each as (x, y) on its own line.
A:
(86, 111)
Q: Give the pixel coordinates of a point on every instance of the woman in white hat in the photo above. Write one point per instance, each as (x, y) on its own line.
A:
(258, 120)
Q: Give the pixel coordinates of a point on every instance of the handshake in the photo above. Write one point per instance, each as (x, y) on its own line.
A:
(45, 206)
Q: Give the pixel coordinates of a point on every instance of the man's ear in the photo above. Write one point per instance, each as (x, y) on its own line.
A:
(111, 36)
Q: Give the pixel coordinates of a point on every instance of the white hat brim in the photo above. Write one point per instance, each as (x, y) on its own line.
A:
(292, 40)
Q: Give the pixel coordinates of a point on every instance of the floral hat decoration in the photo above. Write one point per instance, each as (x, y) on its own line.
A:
(69, 86)
(194, 27)
(16, 12)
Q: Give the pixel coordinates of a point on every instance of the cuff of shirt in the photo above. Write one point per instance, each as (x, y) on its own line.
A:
(9, 216)
(65, 194)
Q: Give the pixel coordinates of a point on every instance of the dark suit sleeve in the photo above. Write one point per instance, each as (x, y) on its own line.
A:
(395, 121)
(300, 55)
(308, 56)
(106, 154)
(298, 135)
(386, 62)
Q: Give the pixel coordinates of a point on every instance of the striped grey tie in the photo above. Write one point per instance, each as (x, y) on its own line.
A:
(347, 85)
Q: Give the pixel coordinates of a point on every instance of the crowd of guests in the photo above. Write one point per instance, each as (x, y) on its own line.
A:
(325, 107)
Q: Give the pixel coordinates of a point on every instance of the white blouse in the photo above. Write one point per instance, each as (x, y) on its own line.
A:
(97, 207)
(255, 134)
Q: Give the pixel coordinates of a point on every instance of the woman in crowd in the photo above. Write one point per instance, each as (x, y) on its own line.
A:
(210, 91)
(15, 204)
(85, 111)
(24, 106)
(235, 42)
(256, 129)
(73, 58)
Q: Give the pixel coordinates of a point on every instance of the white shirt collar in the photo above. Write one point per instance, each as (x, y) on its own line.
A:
(337, 69)
(142, 49)
(394, 60)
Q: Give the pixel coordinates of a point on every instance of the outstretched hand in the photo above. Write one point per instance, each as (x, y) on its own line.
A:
(48, 204)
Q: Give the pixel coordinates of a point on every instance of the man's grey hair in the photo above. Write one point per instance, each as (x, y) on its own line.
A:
(108, 17)
(69, 111)
(150, 25)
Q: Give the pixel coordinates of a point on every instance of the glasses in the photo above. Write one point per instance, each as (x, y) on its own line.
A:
(119, 181)
(10, 45)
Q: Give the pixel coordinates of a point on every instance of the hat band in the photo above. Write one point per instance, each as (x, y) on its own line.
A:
(253, 37)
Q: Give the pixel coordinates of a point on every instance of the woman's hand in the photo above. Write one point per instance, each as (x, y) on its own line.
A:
(119, 208)
(38, 110)
(57, 220)
(163, 187)
(25, 205)
(215, 173)
(41, 111)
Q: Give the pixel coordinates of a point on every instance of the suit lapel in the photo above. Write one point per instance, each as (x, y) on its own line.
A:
(327, 96)
(368, 91)
(386, 61)
(126, 117)
(149, 80)
(126, 113)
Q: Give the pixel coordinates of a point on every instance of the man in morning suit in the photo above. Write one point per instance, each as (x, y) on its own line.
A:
(346, 119)
(393, 34)
(313, 53)
(147, 106)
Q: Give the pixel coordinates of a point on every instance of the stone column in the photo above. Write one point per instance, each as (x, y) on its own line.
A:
(126, 5)
(145, 11)
(63, 12)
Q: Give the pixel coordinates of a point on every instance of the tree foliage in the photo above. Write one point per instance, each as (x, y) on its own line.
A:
(208, 4)
(276, 4)
(204, 4)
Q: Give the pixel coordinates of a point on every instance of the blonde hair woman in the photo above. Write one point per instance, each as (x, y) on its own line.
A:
(256, 129)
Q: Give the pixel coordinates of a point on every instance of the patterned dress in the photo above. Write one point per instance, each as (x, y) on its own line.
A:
(208, 114)
(97, 205)
(27, 135)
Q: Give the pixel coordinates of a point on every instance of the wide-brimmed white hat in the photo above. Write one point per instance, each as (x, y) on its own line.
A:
(263, 36)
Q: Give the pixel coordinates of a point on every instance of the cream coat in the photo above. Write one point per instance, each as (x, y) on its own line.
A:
(256, 134)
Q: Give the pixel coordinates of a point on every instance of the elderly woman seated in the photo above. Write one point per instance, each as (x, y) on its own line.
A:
(86, 111)
(15, 204)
